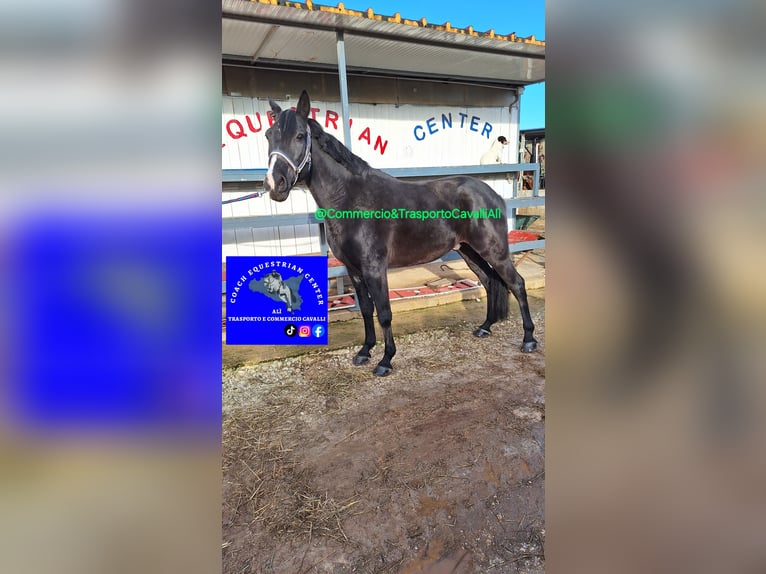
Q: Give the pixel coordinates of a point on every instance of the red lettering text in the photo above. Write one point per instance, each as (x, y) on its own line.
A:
(331, 117)
(250, 123)
(240, 133)
(382, 144)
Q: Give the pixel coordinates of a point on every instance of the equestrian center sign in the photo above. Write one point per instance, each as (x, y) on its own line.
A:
(378, 132)
(276, 301)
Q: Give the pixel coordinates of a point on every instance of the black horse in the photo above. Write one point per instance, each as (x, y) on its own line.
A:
(299, 149)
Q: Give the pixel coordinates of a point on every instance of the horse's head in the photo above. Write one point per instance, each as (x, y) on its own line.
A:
(289, 148)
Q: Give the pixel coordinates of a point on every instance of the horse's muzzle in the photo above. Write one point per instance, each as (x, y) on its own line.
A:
(277, 187)
(279, 195)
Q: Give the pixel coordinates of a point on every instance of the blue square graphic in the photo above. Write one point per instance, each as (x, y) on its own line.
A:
(280, 300)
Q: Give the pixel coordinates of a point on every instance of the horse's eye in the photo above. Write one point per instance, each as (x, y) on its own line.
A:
(300, 136)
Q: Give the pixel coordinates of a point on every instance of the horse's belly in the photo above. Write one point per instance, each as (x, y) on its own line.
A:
(405, 255)
(406, 245)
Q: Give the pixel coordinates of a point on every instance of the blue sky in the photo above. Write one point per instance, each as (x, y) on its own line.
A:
(525, 17)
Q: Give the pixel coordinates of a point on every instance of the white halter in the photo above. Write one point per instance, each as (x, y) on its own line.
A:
(306, 158)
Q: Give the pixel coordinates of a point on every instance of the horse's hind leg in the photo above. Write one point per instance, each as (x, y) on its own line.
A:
(366, 306)
(504, 266)
(497, 290)
(377, 283)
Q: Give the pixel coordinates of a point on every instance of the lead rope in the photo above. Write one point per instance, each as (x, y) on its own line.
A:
(244, 197)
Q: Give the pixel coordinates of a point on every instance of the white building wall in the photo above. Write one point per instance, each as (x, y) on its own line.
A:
(384, 135)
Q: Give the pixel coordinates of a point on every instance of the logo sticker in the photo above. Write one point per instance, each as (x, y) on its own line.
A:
(276, 300)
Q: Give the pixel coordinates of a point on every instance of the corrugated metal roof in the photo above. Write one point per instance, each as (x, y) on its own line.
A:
(369, 14)
(305, 33)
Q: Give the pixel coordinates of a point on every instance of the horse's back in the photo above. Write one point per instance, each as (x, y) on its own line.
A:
(467, 192)
(462, 191)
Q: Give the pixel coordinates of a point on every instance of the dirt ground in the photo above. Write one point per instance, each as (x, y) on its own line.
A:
(437, 468)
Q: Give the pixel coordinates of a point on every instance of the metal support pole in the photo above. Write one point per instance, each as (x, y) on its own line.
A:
(343, 88)
(322, 240)
(323, 248)
(343, 80)
(519, 183)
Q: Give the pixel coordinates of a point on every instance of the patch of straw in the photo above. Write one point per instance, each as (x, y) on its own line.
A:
(264, 484)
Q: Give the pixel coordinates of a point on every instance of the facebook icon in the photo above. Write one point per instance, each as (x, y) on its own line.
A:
(318, 331)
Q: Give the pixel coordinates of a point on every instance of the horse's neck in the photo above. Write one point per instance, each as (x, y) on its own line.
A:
(328, 180)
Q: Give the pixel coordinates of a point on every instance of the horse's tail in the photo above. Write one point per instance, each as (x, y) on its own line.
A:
(497, 297)
(497, 290)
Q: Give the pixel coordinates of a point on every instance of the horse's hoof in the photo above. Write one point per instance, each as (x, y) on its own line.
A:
(361, 359)
(529, 347)
(481, 333)
(381, 371)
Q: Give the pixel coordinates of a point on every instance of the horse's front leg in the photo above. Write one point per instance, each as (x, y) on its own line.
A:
(366, 306)
(377, 283)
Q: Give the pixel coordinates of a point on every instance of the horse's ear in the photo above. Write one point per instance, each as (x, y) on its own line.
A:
(276, 110)
(304, 105)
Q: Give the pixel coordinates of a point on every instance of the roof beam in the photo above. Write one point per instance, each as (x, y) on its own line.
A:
(295, 66)
(266, 37)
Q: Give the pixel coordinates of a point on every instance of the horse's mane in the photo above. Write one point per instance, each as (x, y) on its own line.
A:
(336, 150)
